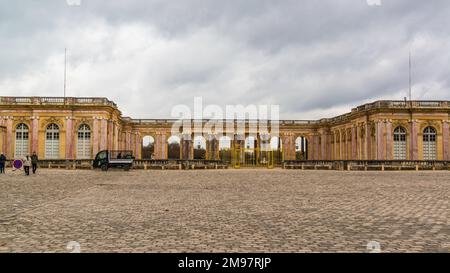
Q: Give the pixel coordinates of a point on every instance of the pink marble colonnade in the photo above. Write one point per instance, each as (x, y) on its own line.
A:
(95, 137)
(9, 137)
(389, 140)
(288, 147)
(35, 134)
(413, 146)
(445, 140)
(69, 138)
(103, 134)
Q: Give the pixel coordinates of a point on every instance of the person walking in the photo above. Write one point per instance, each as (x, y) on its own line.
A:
(34, 162)
(2, 163)
(27, 164)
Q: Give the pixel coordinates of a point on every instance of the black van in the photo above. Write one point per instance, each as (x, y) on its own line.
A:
(114, 159)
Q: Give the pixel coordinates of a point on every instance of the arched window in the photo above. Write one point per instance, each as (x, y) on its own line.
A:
(22, 140)
(84, 142)
(429, 143)
(199, 147)
(173, 147)
(400, 143)
(52, 142)
(148, 147)
(225, 152)
(301, 148)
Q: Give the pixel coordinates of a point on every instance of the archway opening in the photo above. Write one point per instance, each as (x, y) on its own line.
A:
(225, 153)
(199, 148)
(301, 148)
(148, 147)
(276, 145)
(173, 150)
(250, 152)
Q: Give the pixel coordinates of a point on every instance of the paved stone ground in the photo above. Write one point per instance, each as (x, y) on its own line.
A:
(225, 211)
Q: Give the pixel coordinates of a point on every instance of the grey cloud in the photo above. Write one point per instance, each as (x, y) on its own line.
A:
(307, 56)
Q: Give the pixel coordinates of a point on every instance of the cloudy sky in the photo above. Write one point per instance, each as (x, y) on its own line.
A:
(314, 58)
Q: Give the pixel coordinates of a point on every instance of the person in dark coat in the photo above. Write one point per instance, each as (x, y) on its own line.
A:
(34, 162)
(2, 163)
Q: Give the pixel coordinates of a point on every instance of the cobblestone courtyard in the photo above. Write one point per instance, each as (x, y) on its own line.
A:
(225, 211)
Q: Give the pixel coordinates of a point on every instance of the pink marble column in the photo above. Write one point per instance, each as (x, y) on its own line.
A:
(95, 138)
(116, 137)
(9, 138)
(187, 147)
(128, 140)
(110, 135)
(164, 147)
(103, 134)
(69, 138)
(389, 140)
(316, 147)
(354, 143)
(159, 149)
(35, 135)
(368, 144)
(413, 147)
(380, 140)
(445, 140)
(137, 146)
(132, 140)
(323, 147)
(288, 147)
(341, 146)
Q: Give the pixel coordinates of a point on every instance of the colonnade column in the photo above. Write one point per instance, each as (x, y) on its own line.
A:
(413, 146)
(69, 138)
(380, 138)
(389, 140)
(187, 147)
(368, 144)
(354, 152)
(95, 137)
(116, 137)
(103, 134)
(445, 140)
(127, 140)
(323, 147)
(212, 147)
(35, 134)
(288, 147)
(137, 145)
(110, 135)
(316, 147)
(9, 137)
(161, 146)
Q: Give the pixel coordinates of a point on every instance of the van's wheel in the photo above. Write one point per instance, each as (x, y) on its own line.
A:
(104, 167)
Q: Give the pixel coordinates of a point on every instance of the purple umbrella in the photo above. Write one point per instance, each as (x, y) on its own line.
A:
(17, 164)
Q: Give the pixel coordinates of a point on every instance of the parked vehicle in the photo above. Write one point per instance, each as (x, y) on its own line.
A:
(114, 159)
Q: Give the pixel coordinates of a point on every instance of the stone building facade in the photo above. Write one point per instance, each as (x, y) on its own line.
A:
(78, 128)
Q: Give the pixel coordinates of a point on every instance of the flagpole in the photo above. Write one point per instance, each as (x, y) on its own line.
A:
(410, 77)
(65, 73)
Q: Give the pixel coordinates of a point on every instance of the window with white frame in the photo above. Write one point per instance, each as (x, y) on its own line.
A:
(52, 141)
(429, 143)
(84, 142)
(22, 141)
(400, 143)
